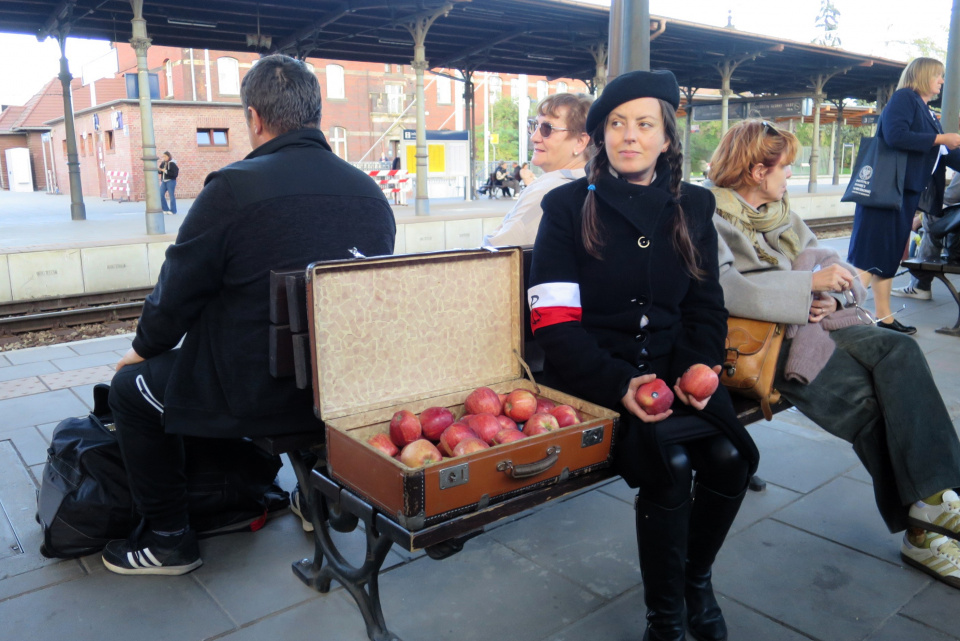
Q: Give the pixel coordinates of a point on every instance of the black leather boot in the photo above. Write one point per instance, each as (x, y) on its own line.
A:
(662, 539)
(710, 520)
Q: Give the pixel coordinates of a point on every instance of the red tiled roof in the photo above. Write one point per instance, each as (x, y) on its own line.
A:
(9, 117)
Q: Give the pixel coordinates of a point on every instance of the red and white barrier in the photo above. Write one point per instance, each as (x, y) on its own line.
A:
(118, 181)
(395, 182)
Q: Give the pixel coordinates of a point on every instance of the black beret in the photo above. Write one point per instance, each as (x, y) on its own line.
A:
(660, 84)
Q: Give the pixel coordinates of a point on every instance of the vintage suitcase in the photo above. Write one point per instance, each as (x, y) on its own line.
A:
(421, 330)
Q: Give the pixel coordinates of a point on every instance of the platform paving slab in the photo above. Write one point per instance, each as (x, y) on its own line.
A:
(816, 586)
(556, 538)
(35, 409)
(934, 606)
(899, 628)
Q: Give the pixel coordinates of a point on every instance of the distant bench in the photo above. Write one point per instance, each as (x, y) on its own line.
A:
(328, 505)
(939, 270)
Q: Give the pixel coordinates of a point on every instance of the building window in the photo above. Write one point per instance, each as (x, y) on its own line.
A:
(444, 90)
(168, 75)
(64, 149)
(542, 89)
(562, 87)
(496, 89)
(395, 98)
(386, 67)
(338, 141)
(109, 142)
(212, 138)
(228, 76)
(82, 146)
(335, 90)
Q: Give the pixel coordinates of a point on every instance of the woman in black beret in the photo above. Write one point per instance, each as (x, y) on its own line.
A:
(624, 290)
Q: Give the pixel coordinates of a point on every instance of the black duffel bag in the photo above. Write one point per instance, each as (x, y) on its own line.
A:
(84, 500)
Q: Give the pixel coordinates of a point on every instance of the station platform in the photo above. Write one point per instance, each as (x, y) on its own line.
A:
(808, 558)
(43, 253)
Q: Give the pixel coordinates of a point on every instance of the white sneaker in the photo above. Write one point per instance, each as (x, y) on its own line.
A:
(938, 556)
(910, 292)
(943, 518)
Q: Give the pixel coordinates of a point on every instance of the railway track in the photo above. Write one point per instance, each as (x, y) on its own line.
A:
(830, 225)
(20, 317)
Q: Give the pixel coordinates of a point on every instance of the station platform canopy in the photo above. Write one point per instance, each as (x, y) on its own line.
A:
(553, 38)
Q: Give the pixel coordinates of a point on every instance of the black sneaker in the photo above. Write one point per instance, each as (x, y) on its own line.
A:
(897, 326)
(140, 554)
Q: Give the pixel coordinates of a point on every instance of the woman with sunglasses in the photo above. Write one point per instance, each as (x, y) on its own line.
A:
(560, 149)
(623, 290)
(867, 385)
(880, 235)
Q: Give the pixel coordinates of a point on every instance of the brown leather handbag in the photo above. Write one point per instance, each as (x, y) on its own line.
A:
(753, 347)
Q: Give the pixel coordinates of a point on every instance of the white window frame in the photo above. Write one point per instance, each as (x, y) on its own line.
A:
(562, 87)
(335, 83)
(338, 141)
(168, 74)
(496, 89)
(396, 97)
(543, 88)
(444, 90)
(228, 76)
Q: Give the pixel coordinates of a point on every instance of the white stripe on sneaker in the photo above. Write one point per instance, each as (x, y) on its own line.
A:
(153, 560)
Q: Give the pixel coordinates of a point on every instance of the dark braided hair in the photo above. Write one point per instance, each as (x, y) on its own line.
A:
(600, 163)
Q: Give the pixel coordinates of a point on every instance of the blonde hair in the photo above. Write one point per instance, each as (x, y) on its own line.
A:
(746, 144)
(920, 73)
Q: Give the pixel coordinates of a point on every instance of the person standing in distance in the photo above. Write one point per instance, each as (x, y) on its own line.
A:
(168, 171)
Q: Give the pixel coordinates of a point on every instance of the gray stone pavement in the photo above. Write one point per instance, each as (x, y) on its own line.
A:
(808, 558)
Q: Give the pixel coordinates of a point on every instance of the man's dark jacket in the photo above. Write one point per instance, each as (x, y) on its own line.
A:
(290, 202)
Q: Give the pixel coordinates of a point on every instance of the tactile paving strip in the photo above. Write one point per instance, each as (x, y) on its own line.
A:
(73, 378)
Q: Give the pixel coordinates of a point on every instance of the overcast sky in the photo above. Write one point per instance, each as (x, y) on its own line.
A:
(866, 27)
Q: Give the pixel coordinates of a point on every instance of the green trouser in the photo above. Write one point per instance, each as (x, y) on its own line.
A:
(876, 392)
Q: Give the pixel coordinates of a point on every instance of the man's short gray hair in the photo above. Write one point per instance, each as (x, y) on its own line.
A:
(284, 92)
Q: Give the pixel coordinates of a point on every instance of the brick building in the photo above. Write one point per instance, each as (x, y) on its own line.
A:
(199, 120)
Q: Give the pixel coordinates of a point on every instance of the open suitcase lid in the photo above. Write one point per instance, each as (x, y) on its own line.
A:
(393, 330)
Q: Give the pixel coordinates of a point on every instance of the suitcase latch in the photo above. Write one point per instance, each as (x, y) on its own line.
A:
(454, 476)
(592, 436)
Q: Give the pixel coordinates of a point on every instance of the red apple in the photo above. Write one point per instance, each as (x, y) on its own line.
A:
(469, 445)
(699, 381)
(520, 405)
(404, 428)
(540, 423)
(434, 420)
(419, 453)
(502, 398)
(485, 425)
(483, 400)
(655, 397)
(544, 405)
(506, 422)
(453, 435)
(508, 435)
(565, 415)
(383, 443)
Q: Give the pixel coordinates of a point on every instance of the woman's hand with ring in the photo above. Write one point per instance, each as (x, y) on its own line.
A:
(629, 400)
(834, 278)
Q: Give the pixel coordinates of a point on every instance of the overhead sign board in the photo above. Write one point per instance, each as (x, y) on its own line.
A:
(738, 110)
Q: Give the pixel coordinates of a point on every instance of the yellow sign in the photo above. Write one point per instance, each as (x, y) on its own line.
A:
(494, 139)
(436, 158)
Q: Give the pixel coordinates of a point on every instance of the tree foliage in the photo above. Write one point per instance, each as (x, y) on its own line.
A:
(828, 22)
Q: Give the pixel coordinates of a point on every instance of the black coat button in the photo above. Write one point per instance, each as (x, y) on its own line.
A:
(643, 367)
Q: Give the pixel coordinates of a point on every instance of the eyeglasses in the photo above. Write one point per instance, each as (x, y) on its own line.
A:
(770, 127)
(545, 128)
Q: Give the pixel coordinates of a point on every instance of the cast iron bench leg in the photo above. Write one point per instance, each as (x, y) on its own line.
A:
(955, 330)
(361, 582)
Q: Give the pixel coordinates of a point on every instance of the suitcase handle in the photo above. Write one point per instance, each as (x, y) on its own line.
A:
(527, 470)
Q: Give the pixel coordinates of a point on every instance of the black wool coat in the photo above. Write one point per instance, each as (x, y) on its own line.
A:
(290, 202)
(641, 276)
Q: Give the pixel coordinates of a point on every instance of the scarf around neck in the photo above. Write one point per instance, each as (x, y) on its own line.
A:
(750, 221)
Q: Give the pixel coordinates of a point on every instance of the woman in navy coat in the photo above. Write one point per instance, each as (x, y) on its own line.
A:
(880, 235)
(624, 289)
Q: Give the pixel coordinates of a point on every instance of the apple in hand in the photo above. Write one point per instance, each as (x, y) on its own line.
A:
(654, 397)
(699, 381)
(453, 435)
(419, 453)
(434, 420)
(540, 423)
(383, 443)
(565, 415)
(483, 400)
(520, 405)
(404, 428)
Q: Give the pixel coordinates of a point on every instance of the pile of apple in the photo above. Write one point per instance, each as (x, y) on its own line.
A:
(489, 419)
(699, 382)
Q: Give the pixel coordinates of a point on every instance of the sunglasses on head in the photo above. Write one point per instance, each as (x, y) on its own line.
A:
(770, 127)
(545, 128)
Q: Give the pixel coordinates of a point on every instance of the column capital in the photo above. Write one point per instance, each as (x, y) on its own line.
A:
(140, 45)
(419, 65)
